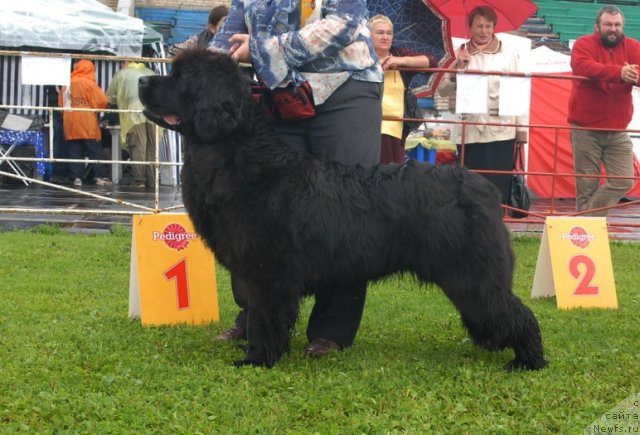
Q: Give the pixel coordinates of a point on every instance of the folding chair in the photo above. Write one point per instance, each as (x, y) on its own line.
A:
(5, 154)
(10, 139)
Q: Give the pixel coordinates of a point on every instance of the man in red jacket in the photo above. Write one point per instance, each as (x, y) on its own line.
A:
(610, 60)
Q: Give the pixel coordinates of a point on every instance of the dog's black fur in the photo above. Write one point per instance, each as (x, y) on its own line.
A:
(286, 225)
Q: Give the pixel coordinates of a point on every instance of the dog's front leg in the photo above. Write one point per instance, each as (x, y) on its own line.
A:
(271, 316)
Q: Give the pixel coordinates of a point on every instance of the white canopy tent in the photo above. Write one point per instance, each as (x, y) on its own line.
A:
(72, 25)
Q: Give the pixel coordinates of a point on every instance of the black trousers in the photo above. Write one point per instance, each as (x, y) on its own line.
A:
(80, 148)
(346, 129)
(496, 155)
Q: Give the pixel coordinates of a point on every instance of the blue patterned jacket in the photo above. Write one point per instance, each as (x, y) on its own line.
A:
(326, 51)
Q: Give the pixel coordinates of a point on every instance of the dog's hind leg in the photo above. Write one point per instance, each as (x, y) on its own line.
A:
(496, 318)
(272, 311)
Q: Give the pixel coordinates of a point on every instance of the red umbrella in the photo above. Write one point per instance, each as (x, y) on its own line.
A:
(511, 13)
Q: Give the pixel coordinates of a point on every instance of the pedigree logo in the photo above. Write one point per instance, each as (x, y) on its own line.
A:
(579, 237)
(174, 236)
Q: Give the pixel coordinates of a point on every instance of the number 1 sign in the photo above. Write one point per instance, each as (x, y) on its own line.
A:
(574, 263)
(172, 273)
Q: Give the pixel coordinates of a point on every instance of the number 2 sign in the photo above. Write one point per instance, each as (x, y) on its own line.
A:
(574, 263)
(172, 273)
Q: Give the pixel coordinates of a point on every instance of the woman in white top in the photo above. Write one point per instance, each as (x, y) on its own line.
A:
(486, 147)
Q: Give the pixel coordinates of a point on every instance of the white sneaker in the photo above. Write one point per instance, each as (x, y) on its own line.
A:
(103, 182)
(77, 182)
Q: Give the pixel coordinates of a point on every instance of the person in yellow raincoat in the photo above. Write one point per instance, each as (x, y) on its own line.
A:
(137, 132)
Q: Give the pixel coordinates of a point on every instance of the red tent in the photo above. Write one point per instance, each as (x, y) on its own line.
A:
(549, 106)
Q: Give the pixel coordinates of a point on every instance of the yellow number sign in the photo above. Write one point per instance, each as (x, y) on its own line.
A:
(574, 263)
(172, 276)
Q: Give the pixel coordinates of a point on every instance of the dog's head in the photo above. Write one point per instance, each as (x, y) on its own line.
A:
(204, 97)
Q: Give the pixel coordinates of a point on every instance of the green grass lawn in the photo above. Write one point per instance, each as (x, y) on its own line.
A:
(72, 362)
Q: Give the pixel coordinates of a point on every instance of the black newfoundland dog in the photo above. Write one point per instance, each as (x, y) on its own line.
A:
(288, 226)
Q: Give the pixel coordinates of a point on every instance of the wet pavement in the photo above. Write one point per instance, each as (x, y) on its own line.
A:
(88, 208)
(97, 209)
(623, 221)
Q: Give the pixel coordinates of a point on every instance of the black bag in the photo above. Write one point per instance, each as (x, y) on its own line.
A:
(519, 194)
(411, 110)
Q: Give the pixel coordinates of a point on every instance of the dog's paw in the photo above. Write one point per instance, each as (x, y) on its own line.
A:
(248, 362)
(242, 363)
(517, 364)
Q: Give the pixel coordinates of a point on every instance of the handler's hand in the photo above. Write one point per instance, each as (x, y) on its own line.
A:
(389, 62)
(239, 50)
(629, 73)
(462, 57)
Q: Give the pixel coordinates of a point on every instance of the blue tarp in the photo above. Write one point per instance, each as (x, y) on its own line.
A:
(419, 28)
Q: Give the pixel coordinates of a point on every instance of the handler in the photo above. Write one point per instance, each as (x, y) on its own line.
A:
(325, 45)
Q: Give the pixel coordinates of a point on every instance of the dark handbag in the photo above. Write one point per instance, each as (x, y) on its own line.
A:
(293, 103)
(411, 110)
(518, 194)
(261, 95)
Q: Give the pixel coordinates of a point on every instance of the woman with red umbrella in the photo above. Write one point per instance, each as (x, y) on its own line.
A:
(486, 147)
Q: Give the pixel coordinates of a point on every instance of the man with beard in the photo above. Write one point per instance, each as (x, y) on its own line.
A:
(599, 105)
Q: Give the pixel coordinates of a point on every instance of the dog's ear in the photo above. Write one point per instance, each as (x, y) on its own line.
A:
(219, 110)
